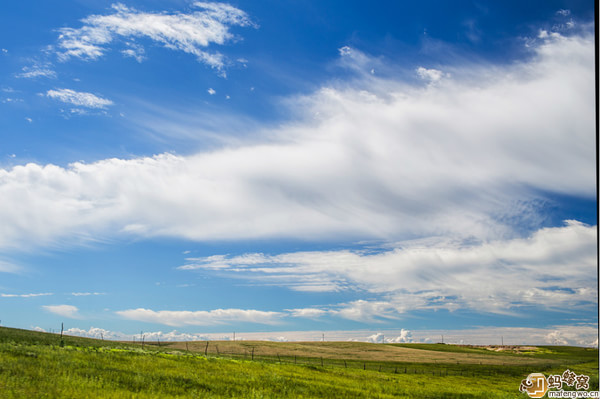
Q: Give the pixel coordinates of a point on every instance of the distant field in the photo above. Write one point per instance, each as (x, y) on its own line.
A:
(411, 353)
(37, 365)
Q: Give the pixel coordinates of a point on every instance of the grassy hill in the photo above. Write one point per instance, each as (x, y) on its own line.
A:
(38, 365)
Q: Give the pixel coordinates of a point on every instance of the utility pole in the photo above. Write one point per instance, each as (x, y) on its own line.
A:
(234, 336)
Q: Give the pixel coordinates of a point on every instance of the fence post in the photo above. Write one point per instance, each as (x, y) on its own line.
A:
(206, 349)
(252, 353)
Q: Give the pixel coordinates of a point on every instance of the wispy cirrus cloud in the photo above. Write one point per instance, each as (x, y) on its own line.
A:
(37, 71)
(190, 33)
(69, 311)
(79, 99)
(438, 159)
(25, 295)
(8, 267)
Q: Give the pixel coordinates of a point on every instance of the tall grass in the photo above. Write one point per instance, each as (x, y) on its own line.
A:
(34, 365)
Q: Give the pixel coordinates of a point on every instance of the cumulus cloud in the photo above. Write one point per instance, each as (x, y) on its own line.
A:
(69, 311)
(101, 333)
(380, 338)
(200, 318)
(548, 269)
(79, 99)
(190, 33)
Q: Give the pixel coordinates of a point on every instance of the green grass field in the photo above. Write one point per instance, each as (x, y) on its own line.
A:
(35, 365)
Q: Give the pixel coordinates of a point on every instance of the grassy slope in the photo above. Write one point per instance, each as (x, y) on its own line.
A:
(33, 365)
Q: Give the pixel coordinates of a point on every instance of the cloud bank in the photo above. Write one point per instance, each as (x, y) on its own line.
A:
(551, 269)
(580, 335)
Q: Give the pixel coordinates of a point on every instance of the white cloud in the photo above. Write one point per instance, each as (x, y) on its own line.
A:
(564, 335)
(100, 333)
(190, 33)
(37, 71)
(25, 295)
(211, 91)
(134, 51)
(69, 311)
(380, 338)
(357, 61)
(430, 75)
(309, 313)
(550, 269)
(80, 99)
(200, 318)
(461, 159)
(12, 100)
(87, 293)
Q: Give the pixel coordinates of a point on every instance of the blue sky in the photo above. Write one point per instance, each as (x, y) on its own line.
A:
(285, 168)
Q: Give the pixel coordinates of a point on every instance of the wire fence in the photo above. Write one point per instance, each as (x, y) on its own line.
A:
(440, 369)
